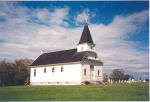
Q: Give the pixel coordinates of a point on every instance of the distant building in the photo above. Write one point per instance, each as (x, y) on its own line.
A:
(69, 67)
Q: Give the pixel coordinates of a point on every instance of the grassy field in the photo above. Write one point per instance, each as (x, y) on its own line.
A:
(115, 92)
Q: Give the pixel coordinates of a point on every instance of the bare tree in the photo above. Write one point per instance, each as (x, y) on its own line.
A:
(117, 74)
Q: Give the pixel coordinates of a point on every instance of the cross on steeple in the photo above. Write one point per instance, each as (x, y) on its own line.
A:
(86, 19)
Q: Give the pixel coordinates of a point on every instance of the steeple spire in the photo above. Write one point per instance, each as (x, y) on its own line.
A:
(86, 35)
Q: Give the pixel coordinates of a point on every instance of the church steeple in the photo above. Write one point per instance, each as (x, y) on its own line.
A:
(86, 43)
(86, 35)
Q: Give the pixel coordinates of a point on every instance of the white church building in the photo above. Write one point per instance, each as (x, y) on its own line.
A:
(69, 67)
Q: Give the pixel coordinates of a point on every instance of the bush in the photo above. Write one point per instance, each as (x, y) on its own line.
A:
(86, 82)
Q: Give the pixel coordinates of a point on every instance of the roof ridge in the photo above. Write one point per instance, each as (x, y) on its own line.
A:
(60, 51)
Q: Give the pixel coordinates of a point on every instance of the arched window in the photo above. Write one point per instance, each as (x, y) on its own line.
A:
(84, 71)
(34, 72)
(53, 69)
(98, 73)
(62, 69)
(45, 70)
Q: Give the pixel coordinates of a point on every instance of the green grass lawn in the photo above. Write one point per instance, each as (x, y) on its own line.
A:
(115, 92)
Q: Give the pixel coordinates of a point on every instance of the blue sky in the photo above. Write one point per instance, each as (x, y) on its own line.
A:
(105, 11)
(119, 29)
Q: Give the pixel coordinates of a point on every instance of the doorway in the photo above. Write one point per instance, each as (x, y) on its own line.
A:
(92, 74)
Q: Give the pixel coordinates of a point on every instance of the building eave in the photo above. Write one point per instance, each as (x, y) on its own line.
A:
(56, 64)
(86, 43)
(97, 62)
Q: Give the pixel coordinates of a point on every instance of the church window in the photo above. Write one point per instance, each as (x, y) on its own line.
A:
(62, 69)
(44, 70)
(98, 72)
(91, 47)
(84, 71)
(53, 69)
(92, 67)
(34, 72)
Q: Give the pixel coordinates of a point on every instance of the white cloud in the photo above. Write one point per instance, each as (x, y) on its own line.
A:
(42, 14)
(82, 17)
(115, 50)
(59, 16)
(23, 36)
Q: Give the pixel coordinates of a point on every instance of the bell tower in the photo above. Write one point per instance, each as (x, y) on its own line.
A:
(86, 43)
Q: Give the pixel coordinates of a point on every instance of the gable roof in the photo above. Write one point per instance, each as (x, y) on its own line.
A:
(64, 56)
(86, 36)
(67, 56)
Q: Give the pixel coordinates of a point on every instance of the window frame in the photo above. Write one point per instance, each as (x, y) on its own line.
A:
(45, 70)
(92, 67)
(84, 72)
(62, 69)
(34, 72)
(53, 69)
(91, 47)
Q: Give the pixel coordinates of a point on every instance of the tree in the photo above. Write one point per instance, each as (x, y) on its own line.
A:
(105, 76)
(23, 71)
(127, 76)
(147, 80)
(7, 73)
(117, 74)
(14, 73)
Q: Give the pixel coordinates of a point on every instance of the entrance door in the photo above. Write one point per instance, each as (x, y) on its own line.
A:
(92, 74)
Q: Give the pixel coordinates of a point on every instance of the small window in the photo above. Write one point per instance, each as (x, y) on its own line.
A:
(92, 67)
(84, 71)
(62, 69)
(53, 69)
(91, 47)
(44, 70)
(98, 72)
(34, 72)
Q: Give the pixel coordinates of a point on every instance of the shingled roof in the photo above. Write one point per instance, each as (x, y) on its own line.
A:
(86, 36)
(64, 56)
